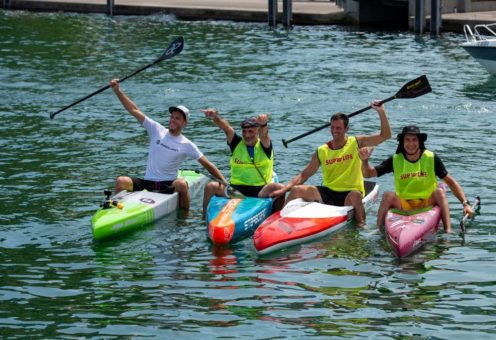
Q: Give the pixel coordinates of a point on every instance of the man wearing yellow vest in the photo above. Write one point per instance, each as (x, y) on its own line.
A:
(341, 167)
(415, 169)
(252, 159)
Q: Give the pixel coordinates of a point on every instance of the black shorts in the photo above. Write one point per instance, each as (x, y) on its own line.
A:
(332, 197)
(248, 190)
(163, 187)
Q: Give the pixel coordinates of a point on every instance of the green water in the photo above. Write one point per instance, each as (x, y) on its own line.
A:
(166, 281)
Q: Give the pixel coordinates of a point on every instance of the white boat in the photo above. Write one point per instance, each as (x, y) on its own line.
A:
(481, 45)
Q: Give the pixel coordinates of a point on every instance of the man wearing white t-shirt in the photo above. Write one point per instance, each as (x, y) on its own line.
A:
(167, 150)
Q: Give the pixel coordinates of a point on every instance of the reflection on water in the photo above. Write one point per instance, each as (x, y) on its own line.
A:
(166, 280)
(482, 91)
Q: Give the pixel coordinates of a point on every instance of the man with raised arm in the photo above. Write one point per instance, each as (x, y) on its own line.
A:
(252, 159)
(415, 170)
(341, 167)
(167, 150)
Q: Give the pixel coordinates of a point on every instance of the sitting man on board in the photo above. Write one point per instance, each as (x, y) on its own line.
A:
(167, 150)
(415, 169)
(341, 167)
(252, 159)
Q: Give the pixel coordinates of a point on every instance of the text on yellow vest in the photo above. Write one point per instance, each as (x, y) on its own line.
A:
(414, 180)
(342, 168)
(244, 169)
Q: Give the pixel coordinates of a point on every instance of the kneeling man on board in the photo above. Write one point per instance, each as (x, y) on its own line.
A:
(252, 160)
(167, 150)
(341, 167)
(415, 169)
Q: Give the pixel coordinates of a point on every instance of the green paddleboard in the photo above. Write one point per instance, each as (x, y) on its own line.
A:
(137, 209)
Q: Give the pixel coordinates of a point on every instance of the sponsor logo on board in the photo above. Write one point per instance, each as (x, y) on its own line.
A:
(255, 220)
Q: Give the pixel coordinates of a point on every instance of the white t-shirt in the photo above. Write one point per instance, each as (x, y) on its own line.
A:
(166, 152)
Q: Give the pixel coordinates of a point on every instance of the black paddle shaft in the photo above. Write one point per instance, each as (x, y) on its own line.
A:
(218, 180)
(412, 89)
(53, 114)
(286, 142)
(174, 49)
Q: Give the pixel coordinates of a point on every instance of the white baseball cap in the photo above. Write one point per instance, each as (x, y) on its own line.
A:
(180, 108)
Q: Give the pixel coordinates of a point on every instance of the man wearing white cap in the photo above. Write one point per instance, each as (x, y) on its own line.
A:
(167, 150)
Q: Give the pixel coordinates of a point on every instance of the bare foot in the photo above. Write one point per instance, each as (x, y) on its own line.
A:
(361, 224)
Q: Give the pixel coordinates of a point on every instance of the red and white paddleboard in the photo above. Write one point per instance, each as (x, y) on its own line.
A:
(302, 221)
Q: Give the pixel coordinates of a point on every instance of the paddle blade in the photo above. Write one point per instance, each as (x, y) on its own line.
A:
(174, 49)
(414, 88)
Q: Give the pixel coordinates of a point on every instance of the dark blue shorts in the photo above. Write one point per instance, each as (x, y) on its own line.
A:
(248, 190)
(332, 197)
(163, 187)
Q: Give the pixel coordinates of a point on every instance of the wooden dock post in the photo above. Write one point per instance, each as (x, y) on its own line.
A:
(287, 13)
(110, 7)
(419, 16)
(435, 25)
(272, 13)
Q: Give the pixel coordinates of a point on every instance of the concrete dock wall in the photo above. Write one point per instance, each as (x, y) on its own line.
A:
(305, 12)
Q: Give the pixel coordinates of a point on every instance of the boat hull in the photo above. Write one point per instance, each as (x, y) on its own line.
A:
(484, 52)
(140, 208)
(302, 221)
(407, 233)
(231, 220)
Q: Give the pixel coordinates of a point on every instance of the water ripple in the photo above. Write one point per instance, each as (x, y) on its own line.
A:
(166, 280)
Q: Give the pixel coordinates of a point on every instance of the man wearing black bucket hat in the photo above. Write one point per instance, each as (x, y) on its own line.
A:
(252, 159)
(168, 148)
(415, 170)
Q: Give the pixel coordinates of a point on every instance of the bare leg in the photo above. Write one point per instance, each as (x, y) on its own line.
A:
(439, 197)
(123, 183)
(354, 198)
(267, 190)
(181, 187)
(389, 200)
(212, 188)
(309, 193)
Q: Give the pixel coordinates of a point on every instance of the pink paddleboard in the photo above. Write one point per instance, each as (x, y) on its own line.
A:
(406, 233)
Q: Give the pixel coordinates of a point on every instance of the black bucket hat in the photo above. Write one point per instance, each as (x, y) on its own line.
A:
(250, 122)
(413, 130)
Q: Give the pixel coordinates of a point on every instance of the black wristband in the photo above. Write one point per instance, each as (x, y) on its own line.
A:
(263, 125)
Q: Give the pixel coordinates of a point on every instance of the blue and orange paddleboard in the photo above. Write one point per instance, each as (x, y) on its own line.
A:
(232, 219)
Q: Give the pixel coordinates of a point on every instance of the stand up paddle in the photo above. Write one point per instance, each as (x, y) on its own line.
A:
(413, 89)
(174, 49)
(475, 207)
(229, 191)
